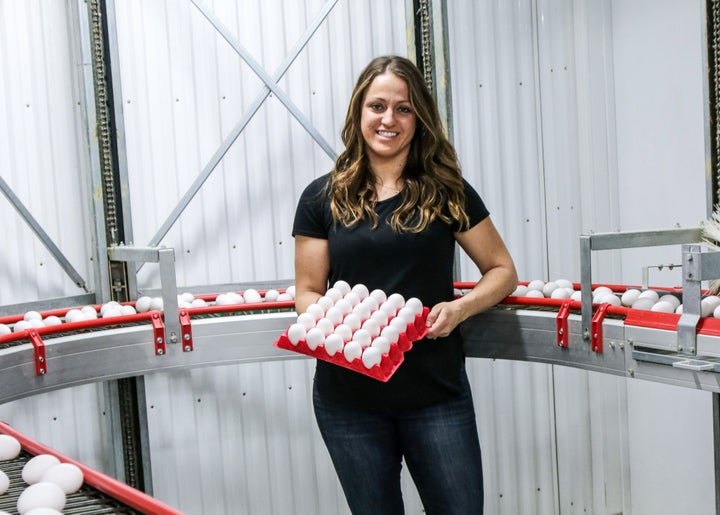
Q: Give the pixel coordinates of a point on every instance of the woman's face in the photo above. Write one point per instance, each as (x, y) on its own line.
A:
(387, 120)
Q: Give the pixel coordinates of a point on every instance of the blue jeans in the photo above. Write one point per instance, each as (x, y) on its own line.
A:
(441, 448)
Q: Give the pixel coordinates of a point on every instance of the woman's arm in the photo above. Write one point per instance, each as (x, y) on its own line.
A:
(312, 266)
(485, 247)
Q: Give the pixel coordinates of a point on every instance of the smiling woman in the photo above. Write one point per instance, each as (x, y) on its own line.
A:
(389, 216)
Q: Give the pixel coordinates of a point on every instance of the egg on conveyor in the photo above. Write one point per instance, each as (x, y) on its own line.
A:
(32, 315)
(41, 495)
(609, 298)
(41, 511)
(67, 476)
(4, 329)
(142, 304)
(564, 283)
(4, 482)
(708, 305)
(560, 293)
(672, 299)
(576, 296)
(22, 325)
(52, 320)
(536, 284)
(644, 303)
(35, 467)
(548, 288)
(290, 290)
(650, 294)
(534, 294)
(663, 307)
(629, 297)
(271, 295)
(252, 296)
(9, 447)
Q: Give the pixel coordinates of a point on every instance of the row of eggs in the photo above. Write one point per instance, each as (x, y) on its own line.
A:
(33, 319)
(49, 481)
(634, 298)
(357, 322)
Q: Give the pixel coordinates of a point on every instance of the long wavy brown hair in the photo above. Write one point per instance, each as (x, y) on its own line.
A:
(432, 176)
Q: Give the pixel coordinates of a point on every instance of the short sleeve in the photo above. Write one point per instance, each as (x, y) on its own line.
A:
(474, 207)
(312, 212)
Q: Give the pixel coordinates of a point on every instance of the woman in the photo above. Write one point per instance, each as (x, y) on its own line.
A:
(388, 216)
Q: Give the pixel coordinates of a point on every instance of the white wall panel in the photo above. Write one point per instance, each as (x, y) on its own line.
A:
(43, 152)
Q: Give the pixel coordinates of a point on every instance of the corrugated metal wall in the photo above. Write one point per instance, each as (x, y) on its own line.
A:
(556, 121)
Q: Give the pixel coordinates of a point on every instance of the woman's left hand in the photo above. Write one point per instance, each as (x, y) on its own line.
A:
(443, 318)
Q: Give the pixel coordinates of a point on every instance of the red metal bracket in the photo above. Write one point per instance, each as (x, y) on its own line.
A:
(563, 335)
(186, 331)
(39, 352)
(158, 334)
(596, 335)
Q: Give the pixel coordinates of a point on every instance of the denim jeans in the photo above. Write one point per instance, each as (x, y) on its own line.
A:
(440, 445)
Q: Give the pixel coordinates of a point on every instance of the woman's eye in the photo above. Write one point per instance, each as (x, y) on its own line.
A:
(376, 107)
(404, 109)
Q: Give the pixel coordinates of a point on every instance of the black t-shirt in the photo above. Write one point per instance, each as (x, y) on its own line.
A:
(411, 264)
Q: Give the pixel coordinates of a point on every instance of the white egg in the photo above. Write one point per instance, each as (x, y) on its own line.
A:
(343, 286)
(601, 290)
(296, 332)
(334, 294)
(379, 295)
(609, 298)
(548, 288)
(534, 294)
(36, 323)
(663, 307)
(308, 320)
(67, 476)
(52, 320)
(407, 314)
(4, 329)
(560, 293)
(415, 304)
(352, 321)
(397, 300)
(352, 351)
(4, 482)
(198, 303)
(186, 297)
(644, 303)
(716, 313)
(708, 305)
(344, 306)
(285, 297)
(649, 294)
(156, 304)
(536, 284)
(630, 296)
(89, 312)
(252, 296)
(334, 315)
(9, 447)
(142, 304)
(679, 309)
(372, 327)
(109, 305)
(363, 337)
(290, 290)
(564, 283)
(391, 333)
(36, 466)
(236, 298)
(388, 308)
(380, 317)
(111, 313)
(352, 298)
(127, 309)
(41, 495)
(74, 315)
(271, 295)
(333, 344)
(520, 291)
(326, 326)
(21, 325)
(222, 299)
(399, 324)
(381, 343)
(325, 303)
(371, 356)
(576, 296)
(344, 332)
(361, 291)
(371, 303)
(362, 310)
(316, 311)
(315, 337)
(672, 299)
(32, 315)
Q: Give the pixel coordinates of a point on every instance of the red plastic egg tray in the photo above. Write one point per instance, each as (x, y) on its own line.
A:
(389, 362)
